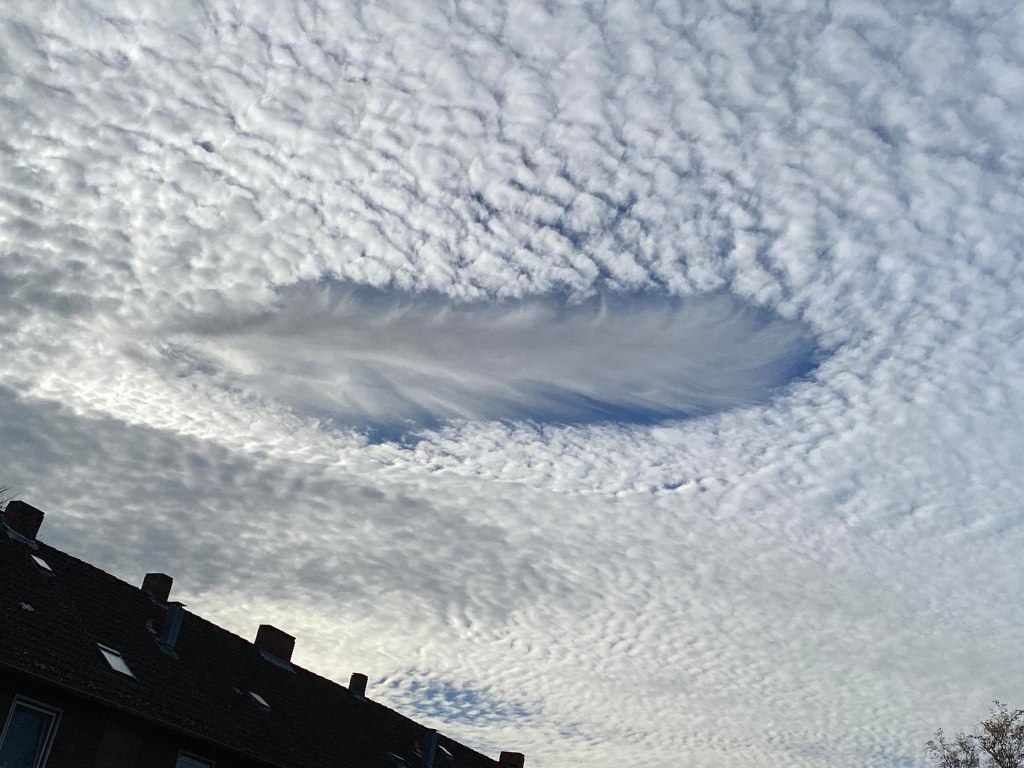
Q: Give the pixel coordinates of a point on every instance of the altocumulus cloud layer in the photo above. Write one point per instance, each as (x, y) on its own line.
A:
(752, 499)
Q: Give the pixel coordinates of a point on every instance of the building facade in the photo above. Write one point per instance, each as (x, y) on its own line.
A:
(99, 673)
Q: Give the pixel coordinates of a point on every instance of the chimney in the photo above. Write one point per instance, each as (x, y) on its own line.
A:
(23, 519)
(158, 585)
(357, 684)
(275, 642)
(512, 759)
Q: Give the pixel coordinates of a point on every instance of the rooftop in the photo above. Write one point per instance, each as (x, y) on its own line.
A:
(76, 626)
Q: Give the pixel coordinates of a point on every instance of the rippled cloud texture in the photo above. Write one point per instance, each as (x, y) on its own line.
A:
(706, 318)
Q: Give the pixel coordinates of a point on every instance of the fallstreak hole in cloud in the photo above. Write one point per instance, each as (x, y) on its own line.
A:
(390, 362)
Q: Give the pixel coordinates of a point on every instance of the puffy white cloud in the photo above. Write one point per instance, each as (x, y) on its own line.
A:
(811, 574)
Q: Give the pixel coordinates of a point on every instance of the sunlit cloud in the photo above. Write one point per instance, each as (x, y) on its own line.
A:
(617, 382)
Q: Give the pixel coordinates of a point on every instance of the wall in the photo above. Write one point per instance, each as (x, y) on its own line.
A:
(91, 735)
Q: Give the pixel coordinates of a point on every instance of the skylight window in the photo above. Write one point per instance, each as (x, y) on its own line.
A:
(42, 563)
(191, 761)
(277, 661)
(115, 660)
(259, 700)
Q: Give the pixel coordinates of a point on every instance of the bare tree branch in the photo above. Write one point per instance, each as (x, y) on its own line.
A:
(999, 740)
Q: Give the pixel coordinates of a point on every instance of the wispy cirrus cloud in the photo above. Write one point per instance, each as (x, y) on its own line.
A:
(391, 361)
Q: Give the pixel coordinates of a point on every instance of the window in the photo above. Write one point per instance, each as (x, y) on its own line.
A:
(191, 761)
(27, 735)
(115, 660)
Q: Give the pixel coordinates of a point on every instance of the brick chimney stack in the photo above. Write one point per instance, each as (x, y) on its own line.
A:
(158, 585)
(512, 760)
(275, 642)
(23, 519)
(357, 684)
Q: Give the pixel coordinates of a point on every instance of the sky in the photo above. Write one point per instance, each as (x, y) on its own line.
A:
(620, 382)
